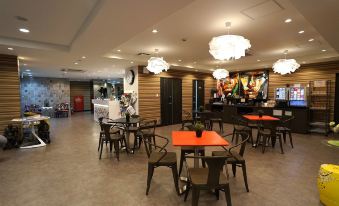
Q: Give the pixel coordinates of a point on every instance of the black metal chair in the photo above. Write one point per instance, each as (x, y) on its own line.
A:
(211, 178)
(216, 117)
(159, 157)
(267, 132)
(113, 139)
(102, 132)
(284, 128)
(147, 128)
(234, 158)
(240, 126)
(205, 119)
(187, 120)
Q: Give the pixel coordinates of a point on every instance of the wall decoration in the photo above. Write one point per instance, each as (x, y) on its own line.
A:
(253, 85)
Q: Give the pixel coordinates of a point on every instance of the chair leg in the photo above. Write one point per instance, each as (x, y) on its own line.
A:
(101, 146)
(228, 195)
(284, 136)
(203, 162)
(195, 196)
(217, 193)
(116, 148)
(290, 136)
(175, 178)
(182, 157)
(264, 144)
(188, 187)
(221, 126)
(234, 169)
(233, 134)
(243, 166)
(211, 125)
(149, 177)
(281, 145)
(110, 146)
(99, 143)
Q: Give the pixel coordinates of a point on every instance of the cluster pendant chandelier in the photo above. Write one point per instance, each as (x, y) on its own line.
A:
(157, 64)
(228, 46)
(285, 66)
(220, 74)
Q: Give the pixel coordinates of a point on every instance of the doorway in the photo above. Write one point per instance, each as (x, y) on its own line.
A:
(198, 92)
(171, 100)
(336, 99)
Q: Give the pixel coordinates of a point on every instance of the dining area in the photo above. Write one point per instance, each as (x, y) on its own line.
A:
(201, 160)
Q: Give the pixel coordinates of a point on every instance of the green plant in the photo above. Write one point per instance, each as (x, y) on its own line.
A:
(198, 126)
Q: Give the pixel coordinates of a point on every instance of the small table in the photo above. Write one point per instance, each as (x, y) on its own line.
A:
(31, 121)
(188, 138)
(126, 124)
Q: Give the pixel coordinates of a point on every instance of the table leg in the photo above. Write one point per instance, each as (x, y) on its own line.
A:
(42, 143)
(196, 160)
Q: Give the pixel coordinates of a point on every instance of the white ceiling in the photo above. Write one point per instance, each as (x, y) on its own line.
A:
(65, 30)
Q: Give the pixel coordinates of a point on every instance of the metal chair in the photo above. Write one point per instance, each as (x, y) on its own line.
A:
(267, 132)
(236, 159)
(187, 120)
(159, 157)
(284, 128)
(112, 139)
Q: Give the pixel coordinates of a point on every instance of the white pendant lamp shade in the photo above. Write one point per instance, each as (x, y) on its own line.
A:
(220, 74)
(228, 47)
(157, 65)
(285, 66)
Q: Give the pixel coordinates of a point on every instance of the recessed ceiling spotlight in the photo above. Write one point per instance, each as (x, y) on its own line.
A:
(132, 62)
(311, 40)
(258, 60)
(24, 30)
(288, 20)
(27, 70)
(118, 50)
(154, 31)
(76, 63)
(301, 32)
(179, 60)
(10, 48)
(84, 57)
(323, 50)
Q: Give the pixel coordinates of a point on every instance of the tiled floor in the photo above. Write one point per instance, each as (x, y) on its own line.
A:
(68, 172)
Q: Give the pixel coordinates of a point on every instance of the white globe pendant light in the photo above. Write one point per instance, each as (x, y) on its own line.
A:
(157, 64)
(285, 66)
(228, 47)
(220, 74)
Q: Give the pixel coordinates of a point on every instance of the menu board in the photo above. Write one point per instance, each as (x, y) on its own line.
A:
(280, 93)
(297, 93)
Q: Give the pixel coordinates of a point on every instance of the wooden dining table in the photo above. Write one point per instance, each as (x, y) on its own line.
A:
(189, 138)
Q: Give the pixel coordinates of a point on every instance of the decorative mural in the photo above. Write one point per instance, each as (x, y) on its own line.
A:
(44, 91)
(252, 85)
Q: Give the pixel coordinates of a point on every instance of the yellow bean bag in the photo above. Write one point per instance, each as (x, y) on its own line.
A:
(328, 184)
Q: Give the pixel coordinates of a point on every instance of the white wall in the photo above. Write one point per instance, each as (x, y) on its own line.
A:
(134, 87)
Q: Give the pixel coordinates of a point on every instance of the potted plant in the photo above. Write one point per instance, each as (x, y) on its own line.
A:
(128, 116)
(198, 128)
(201, 108)
(260, 113)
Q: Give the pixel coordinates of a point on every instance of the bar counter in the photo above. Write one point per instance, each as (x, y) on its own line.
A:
(298, 125)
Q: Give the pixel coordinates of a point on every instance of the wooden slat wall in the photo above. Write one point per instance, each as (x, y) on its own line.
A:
(149, 90)
(9, 90)
(81, 88)
(306, 73)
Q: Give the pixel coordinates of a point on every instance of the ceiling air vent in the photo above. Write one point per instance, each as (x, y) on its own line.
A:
(143, 54)
(72, 70)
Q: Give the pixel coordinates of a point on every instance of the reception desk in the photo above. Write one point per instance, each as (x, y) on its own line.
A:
(299, 125)
(106, 108)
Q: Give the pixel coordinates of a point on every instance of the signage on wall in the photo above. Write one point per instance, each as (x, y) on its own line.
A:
(320, 83)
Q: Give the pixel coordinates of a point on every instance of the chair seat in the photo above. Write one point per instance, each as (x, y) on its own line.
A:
(242, 128)
(215, 119)
(169, 159)
(283, 129)
(233, 157)
(199, 176)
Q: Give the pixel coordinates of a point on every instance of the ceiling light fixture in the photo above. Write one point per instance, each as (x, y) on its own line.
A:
(118, 50)
(76, 63)
(84, 57)
(285, 66)
(228, 46)
(288, 20)
(24, 30)
(10, 48)
(311, 40)
(301, 32)
(27, 70)
(157, 64)
(258, 60)
(154, 31)
(220, 74)
(323, 50)
(179, 60)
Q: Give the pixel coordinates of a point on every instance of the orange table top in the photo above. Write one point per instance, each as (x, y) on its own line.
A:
(188, 138)
(257, 118)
